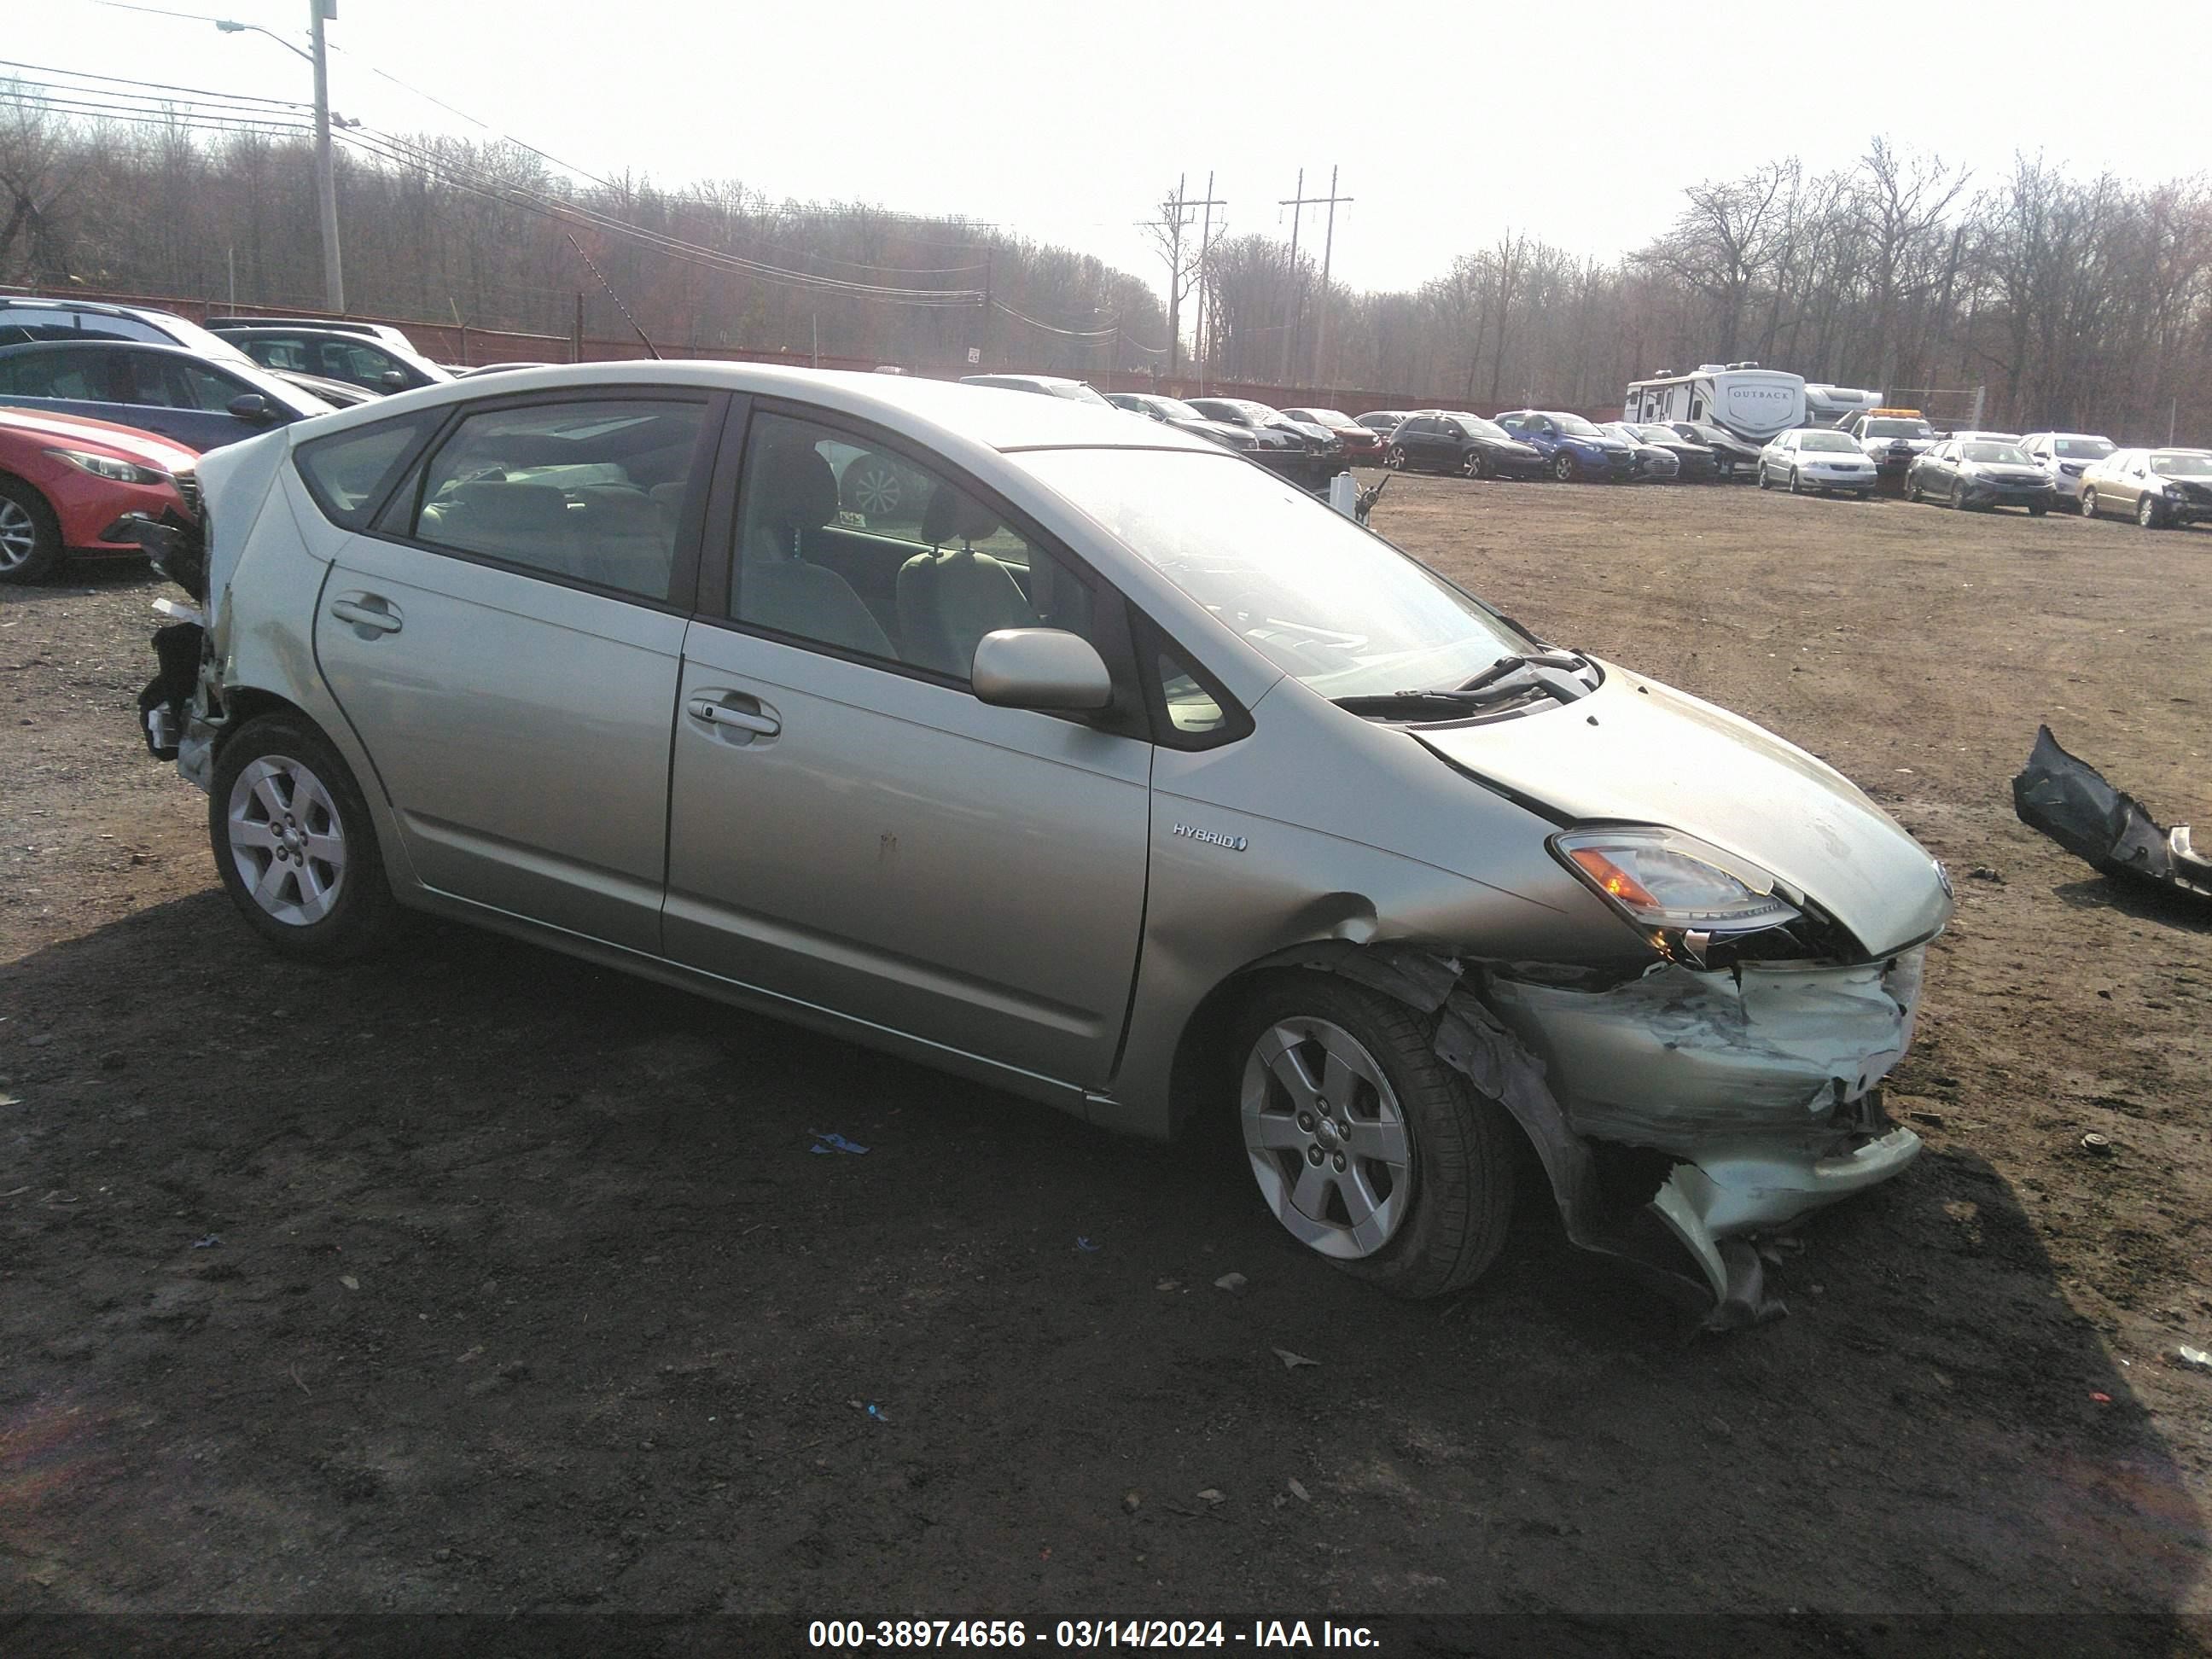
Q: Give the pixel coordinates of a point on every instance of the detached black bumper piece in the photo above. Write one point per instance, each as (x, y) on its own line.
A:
(2069, 800)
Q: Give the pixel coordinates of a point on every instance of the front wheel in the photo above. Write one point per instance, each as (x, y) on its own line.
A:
(1563, 467)
(1369, 1149)
(2035, 511)
(295, 843)
(30, 535)
(1958, 494)
(1764, 482)
(1796, 483)
(2147, 514)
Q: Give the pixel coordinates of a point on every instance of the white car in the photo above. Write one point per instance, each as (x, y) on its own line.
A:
(2066, 456)
(1816, 458)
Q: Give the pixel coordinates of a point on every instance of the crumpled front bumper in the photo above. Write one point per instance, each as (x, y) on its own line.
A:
(1762, 1084)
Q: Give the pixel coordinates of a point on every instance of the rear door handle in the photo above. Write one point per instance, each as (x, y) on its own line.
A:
(734, 712)
(370, 612)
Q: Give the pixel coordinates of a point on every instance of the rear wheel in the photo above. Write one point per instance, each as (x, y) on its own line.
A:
(295, 843)
(2088, 503)
(1369, 1149)
(30, 535)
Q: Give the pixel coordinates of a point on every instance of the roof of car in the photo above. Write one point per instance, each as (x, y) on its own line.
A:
(993, 416)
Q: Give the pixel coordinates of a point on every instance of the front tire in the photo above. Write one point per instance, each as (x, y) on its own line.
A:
(2147, 514)
(1395, 458)
(1369, 1149)
(1796, 483)
(295, 843)
(30, 535)
(1564, 468)
(1764, 482)
(1958, 494)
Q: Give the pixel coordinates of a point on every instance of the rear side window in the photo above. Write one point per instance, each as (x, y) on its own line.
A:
(349, 473)
(590, 490)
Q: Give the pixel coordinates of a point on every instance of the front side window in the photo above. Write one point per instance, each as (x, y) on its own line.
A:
(590, 490)
(1327, 602)
(849, 545)
(176, 383)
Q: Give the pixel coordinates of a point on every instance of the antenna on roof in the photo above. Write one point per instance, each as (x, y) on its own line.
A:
(611, 294)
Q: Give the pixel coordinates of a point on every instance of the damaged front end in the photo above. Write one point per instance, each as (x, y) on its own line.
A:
(178, 548)
(1680, 1112)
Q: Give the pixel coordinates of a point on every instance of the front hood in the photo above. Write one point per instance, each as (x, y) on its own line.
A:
(1643, 753)
(127, 441)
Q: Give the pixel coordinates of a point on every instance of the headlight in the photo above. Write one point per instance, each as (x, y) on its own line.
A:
(1663, 879)
(108, 466)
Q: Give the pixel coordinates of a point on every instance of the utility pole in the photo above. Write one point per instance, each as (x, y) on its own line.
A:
(984, 324)
(1328, 248)
(1297, 203)
(1205, 252)
(1179, 208)
(327, 180)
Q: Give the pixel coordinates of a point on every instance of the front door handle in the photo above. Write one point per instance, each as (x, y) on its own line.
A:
(369, 612)
(729, 711)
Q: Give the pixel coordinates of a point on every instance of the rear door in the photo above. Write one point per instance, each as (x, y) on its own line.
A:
(851, 827)
(506, 639)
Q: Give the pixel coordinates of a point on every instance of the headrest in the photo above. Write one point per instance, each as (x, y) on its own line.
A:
(798, 489)
(610, 509)
(490, 508)
(953, 515)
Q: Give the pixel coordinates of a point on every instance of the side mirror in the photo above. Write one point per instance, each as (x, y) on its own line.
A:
(1047, 668)
(252, 406)
(393, 381)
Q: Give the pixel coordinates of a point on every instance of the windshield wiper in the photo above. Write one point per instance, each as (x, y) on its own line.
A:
(1566, 660)
(1444, 702)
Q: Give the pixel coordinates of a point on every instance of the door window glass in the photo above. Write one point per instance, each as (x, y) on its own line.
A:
(590, 491)
(173, 383)
(78, 375)
(346, 473)
(848, 545)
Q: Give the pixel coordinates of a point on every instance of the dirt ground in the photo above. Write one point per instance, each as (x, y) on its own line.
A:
(479, 1280)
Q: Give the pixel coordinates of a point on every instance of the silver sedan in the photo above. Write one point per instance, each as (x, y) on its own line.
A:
(1094, 763)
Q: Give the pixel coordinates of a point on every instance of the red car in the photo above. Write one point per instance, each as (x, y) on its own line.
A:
(66, 481)
(1362, 444)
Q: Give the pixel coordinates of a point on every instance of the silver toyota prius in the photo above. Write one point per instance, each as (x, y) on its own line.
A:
(1068, 753)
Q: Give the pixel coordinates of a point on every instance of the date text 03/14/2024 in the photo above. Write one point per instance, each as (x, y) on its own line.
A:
(1087, 1633)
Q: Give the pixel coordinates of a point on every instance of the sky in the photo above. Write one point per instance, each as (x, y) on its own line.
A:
(1578, 121)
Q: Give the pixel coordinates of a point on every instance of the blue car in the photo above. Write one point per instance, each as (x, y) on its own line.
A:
(1572, 447)
(201, 402)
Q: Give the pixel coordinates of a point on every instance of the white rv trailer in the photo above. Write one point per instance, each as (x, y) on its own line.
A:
(1831, 405)
(1754, 403)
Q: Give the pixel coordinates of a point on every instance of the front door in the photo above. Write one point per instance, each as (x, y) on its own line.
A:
(851, 827)
(506, 645)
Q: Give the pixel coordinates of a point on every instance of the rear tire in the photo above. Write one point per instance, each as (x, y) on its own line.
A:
(295, 843)
(2088, 503)
(1427, 1225)
(30, 534)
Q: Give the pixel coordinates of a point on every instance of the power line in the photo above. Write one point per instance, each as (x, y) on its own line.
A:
(117, 80)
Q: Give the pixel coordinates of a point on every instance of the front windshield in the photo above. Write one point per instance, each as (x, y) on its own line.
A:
(1827, 441)
(1481, 428)
(1328, 418)
(2002, 454)
(1579, 427)
(1658, 434)
(1077, 391)
(2183, 465)
(1899, 430)
(2082, 449)
(1327, 602)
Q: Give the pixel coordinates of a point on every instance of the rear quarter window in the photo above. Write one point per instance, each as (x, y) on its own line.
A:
(350, 472)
